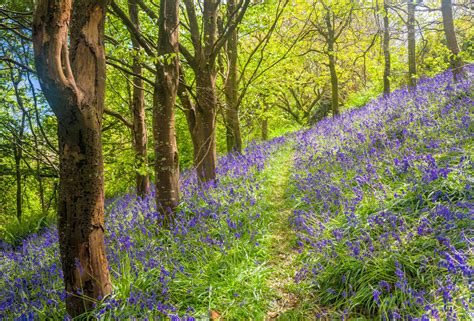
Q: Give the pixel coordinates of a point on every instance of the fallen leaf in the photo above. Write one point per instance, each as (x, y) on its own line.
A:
(215, 315)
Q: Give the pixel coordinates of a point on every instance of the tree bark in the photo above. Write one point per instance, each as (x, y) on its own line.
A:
(70, 61)
(203, 62)
(206, 100)
(334, 86)
(234, 137)
(411, 44)
(448, 24)
(164, 99)
(140, 138)
(189, 112)
(332, 65)
(19, 210)
(206, 97)
(18, 155)
(386, 50)
(265, 129)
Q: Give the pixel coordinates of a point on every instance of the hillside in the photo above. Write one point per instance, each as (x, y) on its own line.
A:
(365, 216)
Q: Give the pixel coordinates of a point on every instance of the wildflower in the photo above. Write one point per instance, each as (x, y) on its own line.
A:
(376, 294)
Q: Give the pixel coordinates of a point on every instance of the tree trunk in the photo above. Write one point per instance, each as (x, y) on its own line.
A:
(234, 137)
(334, 86)
(38, 173)
(265, 129)
(386, 50)
(448, 24)
(140, 138)
(206, 98)
(39, 176)
(18, 148)
(206, 157)
(40, 186)
(18, 155)
(199, 136)
(164, 99)
(411, 44)
(203, 62)
(70, 61)
(189, 112)
(332, 65)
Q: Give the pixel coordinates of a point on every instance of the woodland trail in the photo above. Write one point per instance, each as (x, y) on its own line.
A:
(282, 240)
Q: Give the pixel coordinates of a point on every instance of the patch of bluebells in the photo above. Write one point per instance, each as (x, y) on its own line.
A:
(383, 202)
(145, 259)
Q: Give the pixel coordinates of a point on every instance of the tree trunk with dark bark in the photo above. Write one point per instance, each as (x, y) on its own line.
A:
(234, 137)
(164, 99)
(448, 24)
(70, 61)
(386, 50)
(140, 138)
(206, 108)
(206, 97)
(411, 44)
(189, 112)
(203, 62)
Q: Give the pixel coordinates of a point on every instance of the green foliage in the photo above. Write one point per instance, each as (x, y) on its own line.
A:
(14, 232)
(292, 59)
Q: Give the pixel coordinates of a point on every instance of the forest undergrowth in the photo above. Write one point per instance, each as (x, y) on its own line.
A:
(367, 216)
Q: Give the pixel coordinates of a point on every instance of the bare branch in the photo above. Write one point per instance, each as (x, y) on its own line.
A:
(133, 30)
(119, 116)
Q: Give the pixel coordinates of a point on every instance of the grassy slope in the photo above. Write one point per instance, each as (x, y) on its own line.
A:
(217, 260)
(241, 281)
(383, 200)
(243, 258)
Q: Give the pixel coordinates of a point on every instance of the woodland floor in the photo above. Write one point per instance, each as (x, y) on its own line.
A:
(256, 259)
(282, 248)
(286, 301)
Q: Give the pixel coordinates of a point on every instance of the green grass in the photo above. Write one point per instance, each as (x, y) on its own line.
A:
(14, 231)
(234, 283)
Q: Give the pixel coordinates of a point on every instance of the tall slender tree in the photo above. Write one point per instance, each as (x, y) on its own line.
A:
(233, 135)
(207, 45)
(386, 50)
(330, 24)
(140, 136)
(70, 61)
(164, 98)
(451, 41)
(165, 86)
(411, 43)
(17, 145)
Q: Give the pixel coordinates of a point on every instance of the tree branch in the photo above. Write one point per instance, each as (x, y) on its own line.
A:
(128, 71)
(19, 64)
(132, 29)
(230, 28)
(119, 116)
